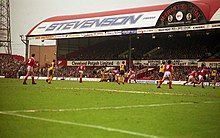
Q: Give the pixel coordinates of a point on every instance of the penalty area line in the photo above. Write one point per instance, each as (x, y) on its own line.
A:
(82, 125)
(105, 107)
(126, 91)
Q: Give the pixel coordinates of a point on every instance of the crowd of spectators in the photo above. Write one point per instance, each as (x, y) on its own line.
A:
(10, 67)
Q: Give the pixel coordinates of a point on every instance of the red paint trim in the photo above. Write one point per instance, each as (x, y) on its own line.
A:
(108, 13)
(33, 28)
(214, 6)
(208, 7)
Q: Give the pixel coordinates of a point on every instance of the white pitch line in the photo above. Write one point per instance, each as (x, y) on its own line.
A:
(81, 124)
(127, 91)
(210, 102)
(102, 108)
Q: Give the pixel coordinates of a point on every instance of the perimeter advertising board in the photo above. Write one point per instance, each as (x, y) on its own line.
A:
(107, 63)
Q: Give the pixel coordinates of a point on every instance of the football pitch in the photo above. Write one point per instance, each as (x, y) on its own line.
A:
(99, 109)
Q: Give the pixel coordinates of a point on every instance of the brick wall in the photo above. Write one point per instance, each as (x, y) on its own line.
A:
(43, 54)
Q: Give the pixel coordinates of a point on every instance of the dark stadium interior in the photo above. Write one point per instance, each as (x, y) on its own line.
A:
(182, 45)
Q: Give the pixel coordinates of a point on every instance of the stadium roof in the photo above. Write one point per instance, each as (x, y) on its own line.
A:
(180, 13)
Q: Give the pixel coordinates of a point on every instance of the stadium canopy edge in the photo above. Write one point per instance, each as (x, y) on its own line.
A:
(189, 15)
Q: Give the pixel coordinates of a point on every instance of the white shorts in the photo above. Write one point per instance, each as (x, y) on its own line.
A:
(167, 74)
(201, 78)
(191, 78)
(30, 69)
(81, 72)
(132, 76)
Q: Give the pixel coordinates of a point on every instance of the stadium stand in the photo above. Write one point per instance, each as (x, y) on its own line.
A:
(167, 46)
(11, 66)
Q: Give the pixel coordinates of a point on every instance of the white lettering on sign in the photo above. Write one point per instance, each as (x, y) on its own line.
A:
(107, 63)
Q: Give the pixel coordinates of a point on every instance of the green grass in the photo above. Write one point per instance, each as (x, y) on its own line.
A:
(184, 111)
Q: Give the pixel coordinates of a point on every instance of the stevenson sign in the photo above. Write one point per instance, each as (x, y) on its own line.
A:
(134, 20)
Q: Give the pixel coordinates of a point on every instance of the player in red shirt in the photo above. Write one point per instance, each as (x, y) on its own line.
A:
(30, 69)
(167, 74)
(81, 69)
(192, 78)
(202, 75)
(131, 75)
